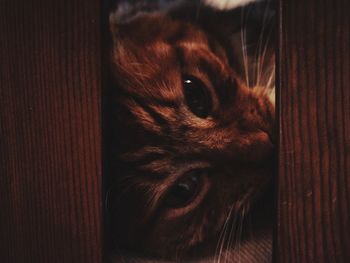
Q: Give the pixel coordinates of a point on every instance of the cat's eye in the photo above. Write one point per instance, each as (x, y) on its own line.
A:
(184, 190)
(197, 96)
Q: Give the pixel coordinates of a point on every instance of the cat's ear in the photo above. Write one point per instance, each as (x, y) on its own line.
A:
(226, 16)
(252, 17)
(141, 28)
(206, 16)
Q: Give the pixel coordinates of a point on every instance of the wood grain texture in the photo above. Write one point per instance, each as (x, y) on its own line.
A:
(50, 156)
(314, 117)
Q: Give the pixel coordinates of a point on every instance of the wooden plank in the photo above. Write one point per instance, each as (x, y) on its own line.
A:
(314, 123)
(50, 154)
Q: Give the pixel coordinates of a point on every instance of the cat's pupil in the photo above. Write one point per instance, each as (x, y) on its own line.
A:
(197, 97)
(184, 191)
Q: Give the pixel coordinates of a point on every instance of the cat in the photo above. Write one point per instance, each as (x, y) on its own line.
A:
(193, 127)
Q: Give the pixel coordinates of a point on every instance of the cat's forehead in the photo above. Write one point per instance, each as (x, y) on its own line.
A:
(151, 51)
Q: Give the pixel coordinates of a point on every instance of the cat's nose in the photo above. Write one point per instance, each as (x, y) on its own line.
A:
(253, 147)
(261, 148)
(271, 133)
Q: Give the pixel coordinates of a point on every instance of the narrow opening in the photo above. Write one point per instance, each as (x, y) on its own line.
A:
(189, 129)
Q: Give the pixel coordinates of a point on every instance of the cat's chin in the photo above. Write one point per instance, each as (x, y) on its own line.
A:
(253, 214)
(246, 239)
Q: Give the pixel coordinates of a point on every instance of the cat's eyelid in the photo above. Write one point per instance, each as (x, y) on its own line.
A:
(184, 168)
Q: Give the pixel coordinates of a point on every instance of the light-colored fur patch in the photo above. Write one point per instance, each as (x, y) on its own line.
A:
(227, 4)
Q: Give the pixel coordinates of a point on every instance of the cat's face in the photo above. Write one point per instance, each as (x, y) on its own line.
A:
(192, 143)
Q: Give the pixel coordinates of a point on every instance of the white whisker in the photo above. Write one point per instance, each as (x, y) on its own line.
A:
(244, 48)
(219, 247)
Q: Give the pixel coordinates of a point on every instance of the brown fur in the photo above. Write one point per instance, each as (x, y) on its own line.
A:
(157, 138)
